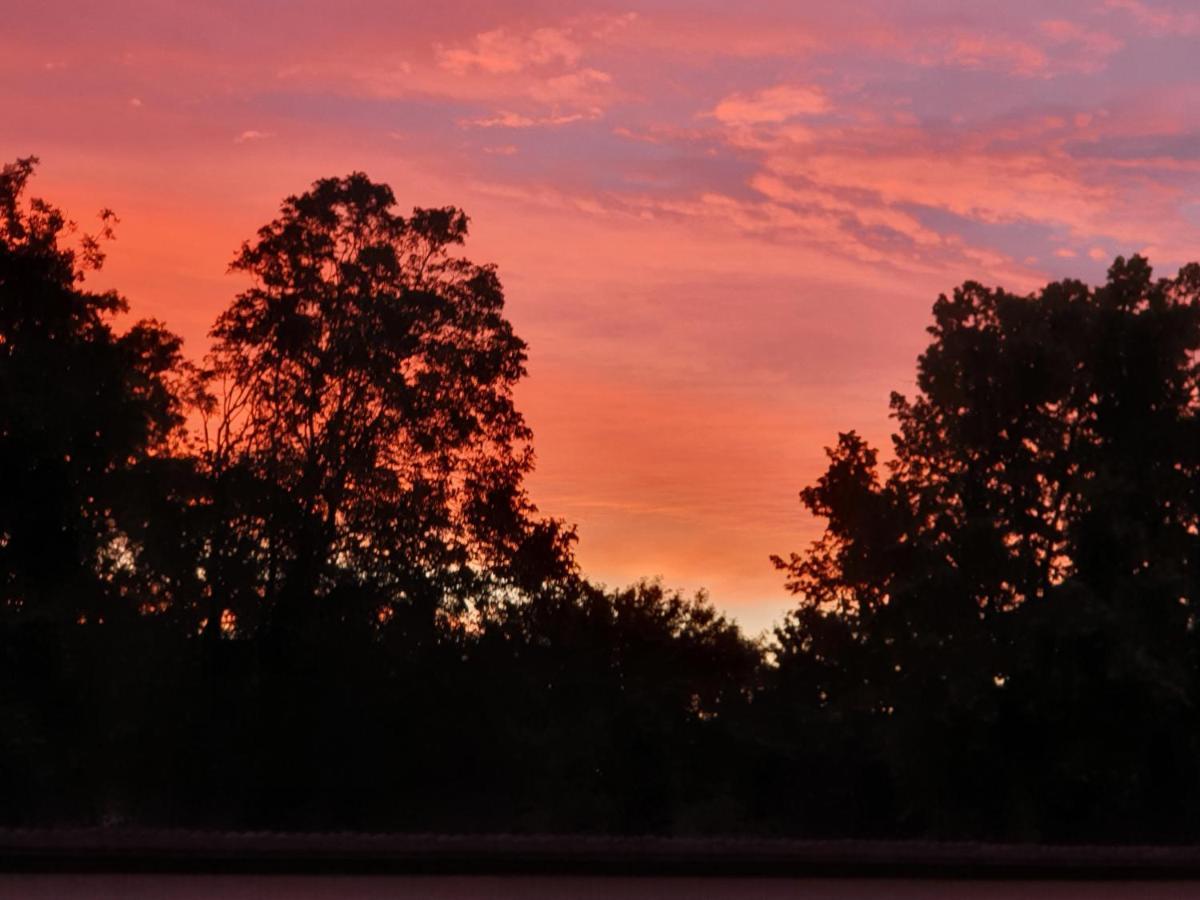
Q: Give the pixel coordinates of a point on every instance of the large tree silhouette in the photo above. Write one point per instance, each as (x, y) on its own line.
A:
(1028, 566)
(364, 384)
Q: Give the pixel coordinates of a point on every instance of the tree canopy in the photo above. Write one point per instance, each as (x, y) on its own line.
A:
(84, 411)
(1029, 556)
(359, 420)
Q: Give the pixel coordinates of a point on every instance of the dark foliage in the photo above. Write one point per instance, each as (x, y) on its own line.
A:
(1009, 615)
(334, 605)
(302, 585)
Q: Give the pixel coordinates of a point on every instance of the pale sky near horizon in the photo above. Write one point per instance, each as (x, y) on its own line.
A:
(720, 226)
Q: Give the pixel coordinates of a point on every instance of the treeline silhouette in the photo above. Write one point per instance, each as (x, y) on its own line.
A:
(299, 584)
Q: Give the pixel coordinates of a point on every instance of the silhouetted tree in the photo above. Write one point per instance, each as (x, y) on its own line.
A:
(84, 411)
(1013, 605)
(363, 433)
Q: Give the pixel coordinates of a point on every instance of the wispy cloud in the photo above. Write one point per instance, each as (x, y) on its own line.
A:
(537, 76)
(502, 51)
(1094, 42)
(250, 135)
(771, 105)
(516, 120)
(1160, 20)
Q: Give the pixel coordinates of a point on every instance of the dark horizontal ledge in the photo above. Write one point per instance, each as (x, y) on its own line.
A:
(155, 850)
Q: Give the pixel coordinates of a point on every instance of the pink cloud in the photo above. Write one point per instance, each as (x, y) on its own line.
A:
(507, 119)
(989, 187)
(989, 51)
(1057, 46)
(537, 76)
(771, 105)
(1097, 44)
(504, 52)
(578, 87)
(250, 135)
(1003, 174)
(1159, 20)
(865, 214)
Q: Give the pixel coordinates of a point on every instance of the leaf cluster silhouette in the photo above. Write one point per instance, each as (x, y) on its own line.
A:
(299, 583)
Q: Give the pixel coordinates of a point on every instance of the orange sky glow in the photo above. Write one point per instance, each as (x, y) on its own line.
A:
(720, 226)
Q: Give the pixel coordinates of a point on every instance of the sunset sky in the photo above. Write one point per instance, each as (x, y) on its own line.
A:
(720, 225)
